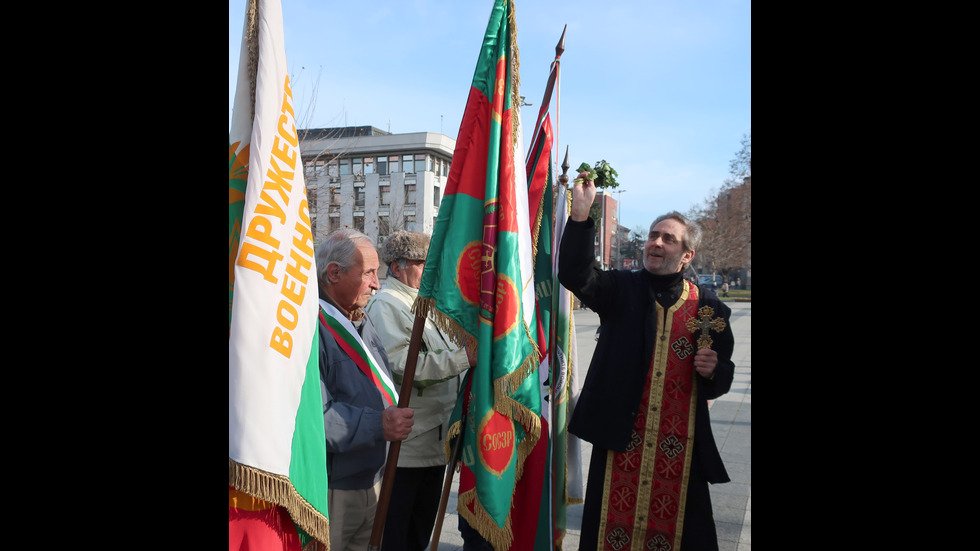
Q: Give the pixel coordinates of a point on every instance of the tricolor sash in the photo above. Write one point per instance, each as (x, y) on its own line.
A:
(350, 342)
(645, 488)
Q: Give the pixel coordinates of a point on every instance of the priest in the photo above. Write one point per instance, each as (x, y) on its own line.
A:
(665, 350)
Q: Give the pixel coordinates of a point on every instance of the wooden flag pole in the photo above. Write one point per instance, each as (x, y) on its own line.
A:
(559, 49)
(555, 78)
(392, 462)
(446, 488)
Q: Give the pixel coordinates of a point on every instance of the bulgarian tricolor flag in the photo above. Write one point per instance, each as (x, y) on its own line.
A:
(277, 477)
(478, 285)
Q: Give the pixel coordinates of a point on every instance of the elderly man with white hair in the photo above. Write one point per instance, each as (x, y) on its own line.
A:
(360, 413)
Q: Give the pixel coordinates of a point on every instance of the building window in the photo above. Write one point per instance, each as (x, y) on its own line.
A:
(358, 166)
(382, 165)
(394, 164)
(314, 169)
(445, 168)
(407, 165)
(332, 169)
(369, 165)
(410, 222)
(344, 167)
(384, 226)
(410, 194)
(435, 196)
(359, 223)
(420, 162)
(359, 197)
(385, 195)
(433, 163)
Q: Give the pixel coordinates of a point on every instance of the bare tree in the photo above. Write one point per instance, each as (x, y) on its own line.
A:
(318, 159)
(741, 166)
(726, 218)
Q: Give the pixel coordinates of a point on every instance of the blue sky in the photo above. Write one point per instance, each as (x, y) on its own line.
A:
(660, 89)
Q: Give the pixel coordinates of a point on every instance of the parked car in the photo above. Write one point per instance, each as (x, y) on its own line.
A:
(710, 281)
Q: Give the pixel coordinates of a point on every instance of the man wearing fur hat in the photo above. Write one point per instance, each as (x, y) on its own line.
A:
(418, 481)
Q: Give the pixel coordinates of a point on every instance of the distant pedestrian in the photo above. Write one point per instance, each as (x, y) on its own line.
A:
(724, 289)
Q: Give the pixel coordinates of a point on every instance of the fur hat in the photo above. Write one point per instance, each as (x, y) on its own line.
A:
(409, 245)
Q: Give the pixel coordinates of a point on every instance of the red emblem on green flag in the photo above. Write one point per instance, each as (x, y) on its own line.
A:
(478, 286)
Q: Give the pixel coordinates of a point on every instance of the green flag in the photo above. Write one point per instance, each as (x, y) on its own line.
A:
(478, 286)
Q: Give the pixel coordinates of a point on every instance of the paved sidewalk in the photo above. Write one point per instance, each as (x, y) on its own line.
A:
(731, 417)
(731, 424)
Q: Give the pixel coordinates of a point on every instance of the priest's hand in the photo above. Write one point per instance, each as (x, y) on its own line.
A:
(582, 197)
(705, 361)
(397, 422)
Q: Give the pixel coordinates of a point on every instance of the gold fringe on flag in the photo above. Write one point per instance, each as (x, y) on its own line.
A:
(515, 75)
(425, 307)
(503, 386)
(499, 538)
(536, 229)
(251, 37)
(504, 404)
(453, 432)
(277, 489)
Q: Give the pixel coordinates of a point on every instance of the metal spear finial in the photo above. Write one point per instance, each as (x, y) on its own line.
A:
(563, 179)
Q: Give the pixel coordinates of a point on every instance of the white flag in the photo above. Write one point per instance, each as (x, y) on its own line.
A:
(276, 444)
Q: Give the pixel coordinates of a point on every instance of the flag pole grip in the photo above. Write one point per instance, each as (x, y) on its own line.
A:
(392, 462)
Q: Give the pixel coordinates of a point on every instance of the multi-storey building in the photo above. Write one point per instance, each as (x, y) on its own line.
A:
(608, 254)
(374, 181)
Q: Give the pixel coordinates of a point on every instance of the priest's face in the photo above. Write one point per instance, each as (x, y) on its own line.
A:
(664, 253)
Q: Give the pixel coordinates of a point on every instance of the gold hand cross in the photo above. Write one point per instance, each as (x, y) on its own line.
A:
(705, 324)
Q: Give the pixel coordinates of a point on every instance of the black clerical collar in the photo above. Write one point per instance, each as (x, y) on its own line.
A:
(664, 281)
(666, 289)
